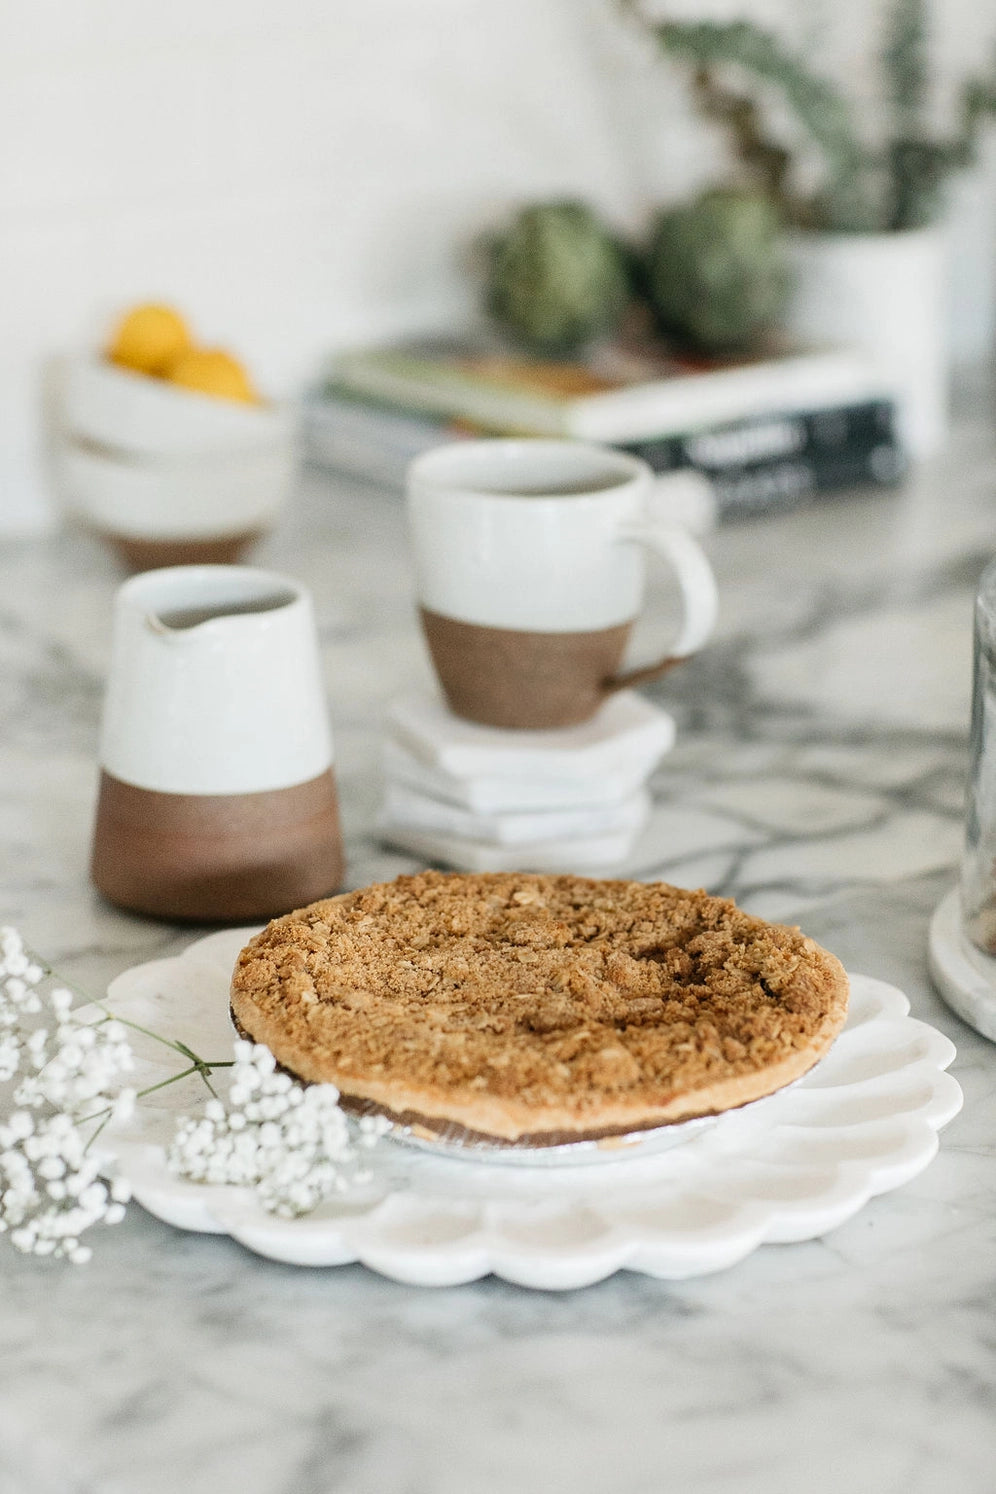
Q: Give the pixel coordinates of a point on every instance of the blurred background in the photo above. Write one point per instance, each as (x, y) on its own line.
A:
(312, 176)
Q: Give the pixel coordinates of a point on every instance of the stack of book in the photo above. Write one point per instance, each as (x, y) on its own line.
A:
(481, 799)
(766, 432)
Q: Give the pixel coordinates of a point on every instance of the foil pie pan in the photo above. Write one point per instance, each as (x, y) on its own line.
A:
(456, 1142)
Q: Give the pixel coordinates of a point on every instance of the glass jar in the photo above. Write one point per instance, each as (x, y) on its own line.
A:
(978, 870)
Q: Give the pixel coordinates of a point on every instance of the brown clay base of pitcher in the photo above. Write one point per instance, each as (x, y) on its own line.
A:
(217, 858)
(153, 554)
(510, 678)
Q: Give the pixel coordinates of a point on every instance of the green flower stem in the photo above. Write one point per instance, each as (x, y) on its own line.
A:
(106, 1117)
(163, 1083)
(197, 1067)
(203, 1068)
(110, 1016)
(157, 1037)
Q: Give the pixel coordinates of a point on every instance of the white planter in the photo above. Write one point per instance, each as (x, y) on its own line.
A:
(883, 293)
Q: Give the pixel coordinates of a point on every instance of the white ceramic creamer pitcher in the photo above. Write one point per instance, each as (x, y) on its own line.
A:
(217, 796)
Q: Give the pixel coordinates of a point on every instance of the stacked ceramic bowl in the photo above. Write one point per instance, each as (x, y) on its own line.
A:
(483, 799)
(167, 475)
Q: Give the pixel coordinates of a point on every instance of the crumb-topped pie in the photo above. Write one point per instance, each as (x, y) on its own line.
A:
(538, 1009)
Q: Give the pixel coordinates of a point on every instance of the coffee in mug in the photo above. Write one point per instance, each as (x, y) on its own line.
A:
(529, 560)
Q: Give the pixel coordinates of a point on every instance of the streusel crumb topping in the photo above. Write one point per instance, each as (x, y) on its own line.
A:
(559, 993)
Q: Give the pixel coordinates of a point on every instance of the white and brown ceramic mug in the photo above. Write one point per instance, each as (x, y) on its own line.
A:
(217, 795)
(529, 570)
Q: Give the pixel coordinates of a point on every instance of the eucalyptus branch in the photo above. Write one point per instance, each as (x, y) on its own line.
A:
(820, 107)
(895, 186)
(978, 102)
(766, 160)
(904, 67)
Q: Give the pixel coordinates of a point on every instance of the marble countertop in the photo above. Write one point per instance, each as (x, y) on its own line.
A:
(818, 777)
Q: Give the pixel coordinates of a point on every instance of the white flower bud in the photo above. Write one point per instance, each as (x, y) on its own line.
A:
(21, 1124)
(94, 1197)
(124, 1105)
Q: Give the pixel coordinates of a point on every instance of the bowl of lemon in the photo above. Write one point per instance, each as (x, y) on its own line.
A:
(168, 450)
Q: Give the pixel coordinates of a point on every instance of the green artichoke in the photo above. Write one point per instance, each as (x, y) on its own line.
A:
(716, 275)
(557, 279)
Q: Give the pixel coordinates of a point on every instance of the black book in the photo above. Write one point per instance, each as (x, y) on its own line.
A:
(754, 464)
(775, 462)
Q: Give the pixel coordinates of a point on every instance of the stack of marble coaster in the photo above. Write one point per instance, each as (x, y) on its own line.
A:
(478, 798)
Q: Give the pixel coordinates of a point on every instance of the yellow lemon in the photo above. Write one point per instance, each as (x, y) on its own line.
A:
(212, 371)
(149, 338)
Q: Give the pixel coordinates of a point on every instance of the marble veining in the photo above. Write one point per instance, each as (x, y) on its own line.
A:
(817, 777)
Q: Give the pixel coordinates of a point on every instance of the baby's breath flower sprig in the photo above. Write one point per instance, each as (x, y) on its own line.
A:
(198, 1065)
(65, 1074)
(290, 1142)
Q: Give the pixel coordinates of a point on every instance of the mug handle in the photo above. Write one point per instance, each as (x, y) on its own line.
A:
(700, 599)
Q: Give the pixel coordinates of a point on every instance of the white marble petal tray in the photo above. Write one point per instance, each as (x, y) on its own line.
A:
(790, 1167)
